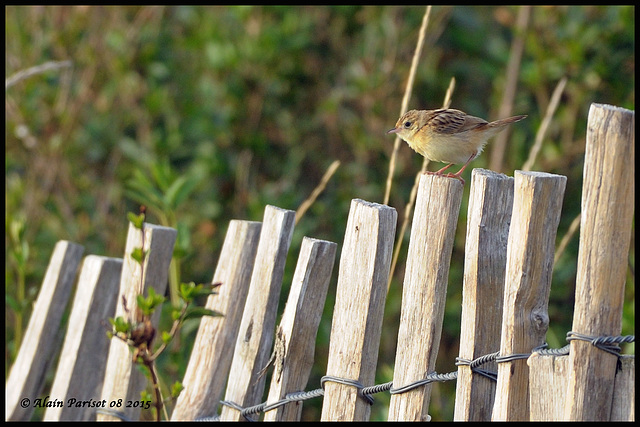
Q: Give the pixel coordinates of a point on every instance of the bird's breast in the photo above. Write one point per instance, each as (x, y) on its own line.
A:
(449, 148)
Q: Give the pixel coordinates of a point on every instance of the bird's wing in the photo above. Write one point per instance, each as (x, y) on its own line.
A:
(454, 121)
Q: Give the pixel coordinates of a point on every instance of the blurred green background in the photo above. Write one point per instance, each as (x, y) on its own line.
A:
(207, 114)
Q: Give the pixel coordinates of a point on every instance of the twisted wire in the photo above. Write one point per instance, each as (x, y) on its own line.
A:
(347, 381)
(609, 344)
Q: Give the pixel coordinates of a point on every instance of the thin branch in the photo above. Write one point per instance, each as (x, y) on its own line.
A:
(32, 71)
(506, 106)
(542, 130)
(405, 99)
(159, 405)
(414, 192)
(567, 238)
(304, 206)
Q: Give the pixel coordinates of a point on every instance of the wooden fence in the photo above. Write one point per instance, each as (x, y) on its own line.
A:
(509, 255)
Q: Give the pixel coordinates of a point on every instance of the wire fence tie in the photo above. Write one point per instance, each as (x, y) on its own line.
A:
(347, 381)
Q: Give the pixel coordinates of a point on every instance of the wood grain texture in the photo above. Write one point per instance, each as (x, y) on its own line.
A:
(536, 212)
(296, 334)
(123, 380)
(38, 347)
(208, 367)
(424, 293)
(358, 310)
(548, 378)
(489, 217)
(83, 359)
(255, 337)
(624, 391)
(605, 233)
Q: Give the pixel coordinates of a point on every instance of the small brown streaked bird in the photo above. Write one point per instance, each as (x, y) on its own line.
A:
(448, 135)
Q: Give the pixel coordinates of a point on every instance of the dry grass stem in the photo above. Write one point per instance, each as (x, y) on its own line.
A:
(405, 99)
(316, 191)
(542, 130)
(405, 223)
(513, 73)
(449, 94)
(567, 238)
(32, 71)
(414, 191)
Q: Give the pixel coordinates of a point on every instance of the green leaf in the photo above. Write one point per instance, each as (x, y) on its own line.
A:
(162, 174)
(197, 312)
(176, 313)
(141, 189)
(183, 240)
(190, 291)
(149, 304)
(180, 189)
(138, 255)
(136, 220)
(171, 195)
(145, 395)
(120, 325)
(176, 389)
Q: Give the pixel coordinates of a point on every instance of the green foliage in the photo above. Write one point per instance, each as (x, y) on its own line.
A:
(138, 255)
(148, 305)
(176, 388)
(190, 291)
(145, 396)
(166, 336)
(136, 220)
(138, 332)
(120, 325)
(207, 114)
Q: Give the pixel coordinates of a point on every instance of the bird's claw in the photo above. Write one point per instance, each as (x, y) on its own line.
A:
(448, 175)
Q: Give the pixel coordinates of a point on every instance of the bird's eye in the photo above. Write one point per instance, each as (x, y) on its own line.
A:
(407, 125)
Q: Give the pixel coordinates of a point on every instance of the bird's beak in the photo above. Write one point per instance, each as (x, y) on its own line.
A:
(394, 130)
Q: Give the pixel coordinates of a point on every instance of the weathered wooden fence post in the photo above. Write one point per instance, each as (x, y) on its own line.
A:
(424, 293)
(536, 212)
(624, 390)
(255, 337)
(123, 381)
(296, 335)
(605, 233)
(358, 310)
(208, 368)
(490, 209)
(548, 380)
(39, 344)
(83, 359)
(547, 386)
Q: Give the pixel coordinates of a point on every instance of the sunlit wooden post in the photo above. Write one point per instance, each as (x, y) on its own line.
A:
(605, 234)
(208, 368)
(424, 293)
(123, 381)
(39, 343)
(296, 334)
(490, 209)
(357, 314)
(255, 337)
(81, 368)
(537, 204)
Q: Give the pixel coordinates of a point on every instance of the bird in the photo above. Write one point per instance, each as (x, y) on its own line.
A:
(448, 135)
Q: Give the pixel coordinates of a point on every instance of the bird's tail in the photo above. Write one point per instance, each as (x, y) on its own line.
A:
(504, 122)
